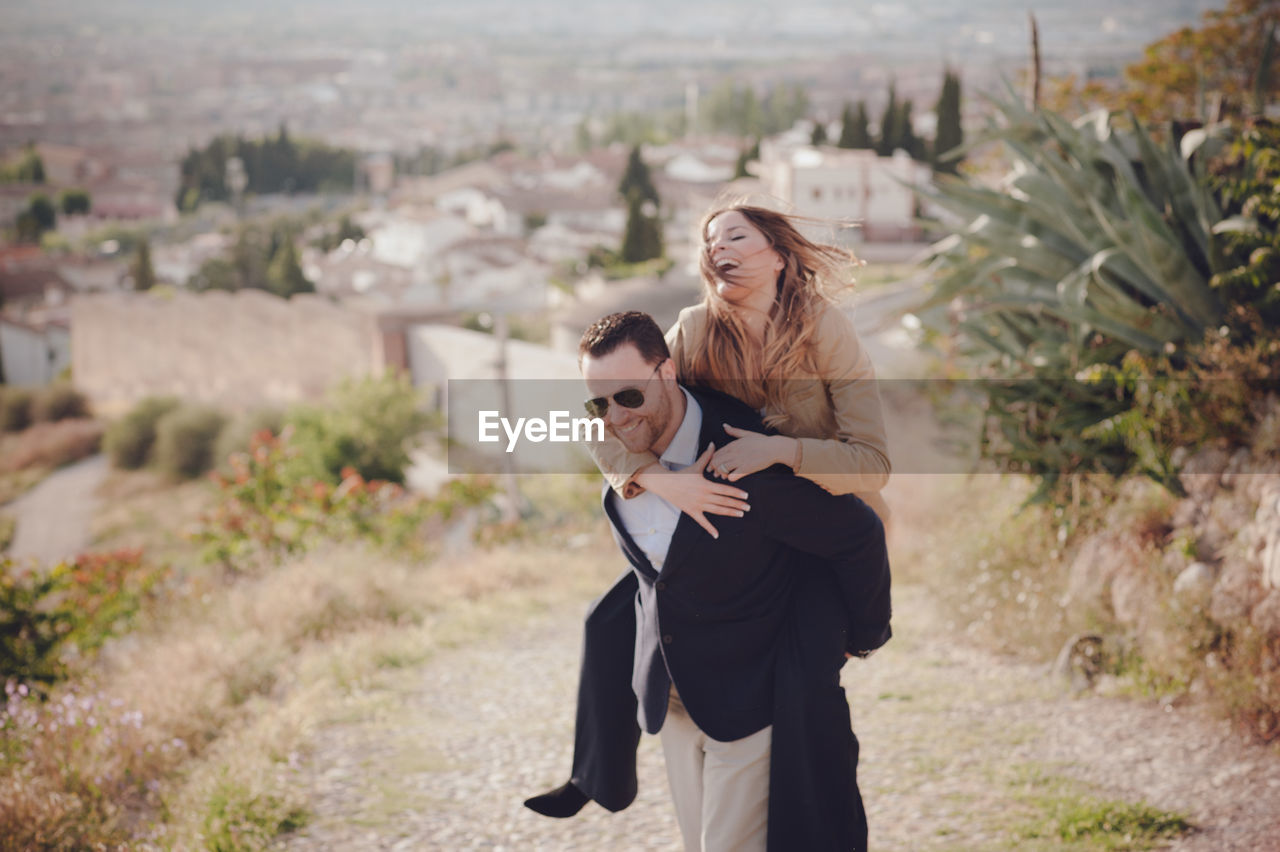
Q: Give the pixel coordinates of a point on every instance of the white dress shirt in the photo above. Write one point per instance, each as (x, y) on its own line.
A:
(650, 519)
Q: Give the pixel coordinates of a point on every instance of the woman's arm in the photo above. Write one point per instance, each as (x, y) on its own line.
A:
(856, 458)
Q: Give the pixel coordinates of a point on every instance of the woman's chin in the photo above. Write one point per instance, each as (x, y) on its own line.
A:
(731, 292)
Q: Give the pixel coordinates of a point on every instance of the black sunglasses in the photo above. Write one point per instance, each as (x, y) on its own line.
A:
(627, 398)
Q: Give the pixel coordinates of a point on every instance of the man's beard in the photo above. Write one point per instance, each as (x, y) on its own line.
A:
(650, 427)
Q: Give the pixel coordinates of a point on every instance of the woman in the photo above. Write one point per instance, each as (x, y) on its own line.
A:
(767, 332)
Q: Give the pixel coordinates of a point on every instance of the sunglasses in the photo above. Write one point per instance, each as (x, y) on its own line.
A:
(627, 398)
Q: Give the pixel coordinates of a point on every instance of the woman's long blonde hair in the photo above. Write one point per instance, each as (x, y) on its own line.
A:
(812, 275)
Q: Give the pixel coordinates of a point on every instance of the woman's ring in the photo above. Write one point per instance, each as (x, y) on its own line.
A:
(723, 471)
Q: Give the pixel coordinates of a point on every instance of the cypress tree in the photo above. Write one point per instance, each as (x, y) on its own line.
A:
(910, 142)
(284, 274)
(846, 127)
(642, 239)
(950, 132)
(854, 129)
(636, 181)
(819, 135)
(890, 125)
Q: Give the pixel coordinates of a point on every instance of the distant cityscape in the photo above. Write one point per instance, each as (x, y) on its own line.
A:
(113, 97)
(153, 78)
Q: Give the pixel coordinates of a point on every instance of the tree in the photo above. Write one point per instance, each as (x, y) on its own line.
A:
(890, 126)
(284, 274)
(908, 140)
(642, 239)
(1229, 62)
(950, 133)
(346, 230)
(782, 108)
(74, 202)
(216, 273)
(846, 126)
(1225, 68)
(854, 128)
(27, 229)
(730, 109)
(249, 257)
(819, 135)
(636, 181)
(30, 168)
(43, 211)
(276, 163)
(144, 275)
(747, 155)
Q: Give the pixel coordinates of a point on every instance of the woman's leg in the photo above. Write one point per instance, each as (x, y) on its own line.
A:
(606, 733)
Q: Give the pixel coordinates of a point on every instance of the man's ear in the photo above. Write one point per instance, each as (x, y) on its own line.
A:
(667, 370)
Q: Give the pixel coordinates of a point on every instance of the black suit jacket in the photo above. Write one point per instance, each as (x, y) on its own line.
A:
(711, 618)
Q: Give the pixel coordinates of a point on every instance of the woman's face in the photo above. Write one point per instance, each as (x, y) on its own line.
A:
(740, 249)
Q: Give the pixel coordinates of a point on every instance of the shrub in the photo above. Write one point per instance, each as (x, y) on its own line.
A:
(58, 402)
(237, 436)
(73, 604)
(185, 439)
(266, 509)
(366, 425)
(51, 445)
(130, 439)
(15, 409)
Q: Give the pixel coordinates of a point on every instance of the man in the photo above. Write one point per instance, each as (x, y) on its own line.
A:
(711, 614)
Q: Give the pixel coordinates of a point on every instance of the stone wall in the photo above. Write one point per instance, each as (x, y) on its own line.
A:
(237, 350)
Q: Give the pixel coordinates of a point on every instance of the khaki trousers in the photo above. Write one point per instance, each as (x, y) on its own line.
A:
(720, 790)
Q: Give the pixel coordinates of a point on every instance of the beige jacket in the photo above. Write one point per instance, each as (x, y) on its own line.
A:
(835, 415)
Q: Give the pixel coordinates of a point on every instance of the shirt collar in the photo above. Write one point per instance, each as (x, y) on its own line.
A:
(683, 449)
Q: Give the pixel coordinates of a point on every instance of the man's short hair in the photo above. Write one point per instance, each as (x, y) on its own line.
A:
(635, 327)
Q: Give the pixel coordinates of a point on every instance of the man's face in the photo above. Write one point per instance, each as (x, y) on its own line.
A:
(642, 428)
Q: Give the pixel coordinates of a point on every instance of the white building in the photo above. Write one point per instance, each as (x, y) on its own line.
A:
(33, 355)
(848, 185)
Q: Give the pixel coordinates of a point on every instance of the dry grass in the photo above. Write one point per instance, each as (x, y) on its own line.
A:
(997, 568)
(144, 510)
(188, 729)
(318, 631)
(14, 485)
(50, 445)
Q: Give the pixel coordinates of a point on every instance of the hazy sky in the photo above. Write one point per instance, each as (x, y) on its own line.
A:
(928, 20)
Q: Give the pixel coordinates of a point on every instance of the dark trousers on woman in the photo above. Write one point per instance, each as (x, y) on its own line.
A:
(814, 803)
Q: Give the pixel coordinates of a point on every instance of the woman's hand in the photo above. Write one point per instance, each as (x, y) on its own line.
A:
(694, 495)
(751, 451)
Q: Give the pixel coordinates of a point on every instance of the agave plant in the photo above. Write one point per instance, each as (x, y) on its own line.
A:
(1096, 245)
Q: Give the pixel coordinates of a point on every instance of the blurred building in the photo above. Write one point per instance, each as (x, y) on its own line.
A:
(378, 173)
(878, 193)
(34, 353)
(29, 280)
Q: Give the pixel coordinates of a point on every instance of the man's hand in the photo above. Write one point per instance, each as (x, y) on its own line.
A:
(751, 451)
(692, 494)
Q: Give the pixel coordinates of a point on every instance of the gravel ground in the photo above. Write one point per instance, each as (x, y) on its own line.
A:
(952, 740)
(447, 763)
